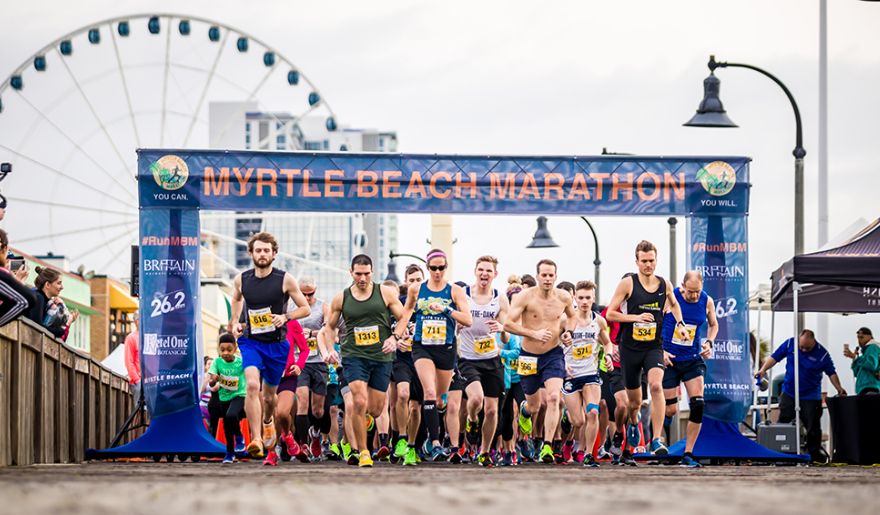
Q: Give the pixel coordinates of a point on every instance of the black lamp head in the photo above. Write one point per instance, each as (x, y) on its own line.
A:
(711, 112)
(542, 238)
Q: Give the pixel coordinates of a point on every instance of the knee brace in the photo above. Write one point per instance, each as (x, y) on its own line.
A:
(670, 402)
(592, 407)
(697, 404)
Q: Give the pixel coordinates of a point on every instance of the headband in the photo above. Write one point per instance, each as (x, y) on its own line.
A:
(438, 253)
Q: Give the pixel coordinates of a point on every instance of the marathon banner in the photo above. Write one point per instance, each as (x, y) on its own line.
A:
(351, 182)
(170, 313)
(719, 250)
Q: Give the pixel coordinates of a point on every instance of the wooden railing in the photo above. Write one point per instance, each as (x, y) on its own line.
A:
(55, 401)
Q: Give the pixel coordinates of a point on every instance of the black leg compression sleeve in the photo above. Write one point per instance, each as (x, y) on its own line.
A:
(432, 419)
(670, 402)
(302, 429)
(697, 404)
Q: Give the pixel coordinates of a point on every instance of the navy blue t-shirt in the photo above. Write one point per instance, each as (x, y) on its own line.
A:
(810, 365)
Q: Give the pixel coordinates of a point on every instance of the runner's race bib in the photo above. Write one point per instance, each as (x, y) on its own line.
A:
(527, 366)
(644, 331)
(261, 320)
(228, 382)
(580, 352)
(692, 333)
(433, 332)
(313, 346)
(484, 345)
(514, 365)
(366, 335)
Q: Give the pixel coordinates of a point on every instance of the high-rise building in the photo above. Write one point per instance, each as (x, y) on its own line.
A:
(319, 245)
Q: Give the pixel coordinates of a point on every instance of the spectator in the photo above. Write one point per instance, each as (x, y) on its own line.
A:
(528, 281)
(813, 360)
(866, 368)
(133, 359)
(15, 297)
(49, 310)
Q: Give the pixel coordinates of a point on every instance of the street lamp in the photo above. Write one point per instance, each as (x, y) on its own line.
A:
(711, 113)
(392, 267)
(543, 240)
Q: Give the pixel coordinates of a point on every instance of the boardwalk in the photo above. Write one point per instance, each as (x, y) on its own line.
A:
(165, 489)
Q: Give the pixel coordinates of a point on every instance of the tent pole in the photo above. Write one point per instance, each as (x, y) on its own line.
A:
(795, 288)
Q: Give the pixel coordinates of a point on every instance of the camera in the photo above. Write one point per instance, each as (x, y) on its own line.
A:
(5, 168)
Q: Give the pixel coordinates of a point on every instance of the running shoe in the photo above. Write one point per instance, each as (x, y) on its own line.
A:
(400, 448)
(472, 432)
(269, 434)
(255, 449)
(439, 454)
(346, 449)
(589, 461)
(365, 460)
(579, 457)
(410, 458)
(353, 458)
(507, 460)
(615, 459)
(603, 454)
(525, 423)
(371, 423)
(289, 445)
(688, 461)
(485, 460)
(229, 458)
(239, 443)
(427, 447)
(546, 454)
(382, 453)
(315, 446)
(526, 449)
(626, 460)
(334, 453)
(457, 455)
(616, 444)
(567, 451)
(657, 448)
(302, 454)
(271, 459)
(632, 434)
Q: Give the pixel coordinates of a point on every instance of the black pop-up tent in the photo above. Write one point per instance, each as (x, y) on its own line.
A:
(843, 279)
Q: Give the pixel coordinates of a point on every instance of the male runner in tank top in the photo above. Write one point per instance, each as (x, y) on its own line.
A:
(264, 291)
(314, 376)
(647, 297)
(480, 355)
(684, 358)
(368, 345)
(536, 315)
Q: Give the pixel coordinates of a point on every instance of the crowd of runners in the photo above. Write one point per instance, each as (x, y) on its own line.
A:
(470, 372)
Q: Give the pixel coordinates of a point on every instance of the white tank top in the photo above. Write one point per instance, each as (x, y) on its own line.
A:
(476, 342)
(314, 322)
(582, 356)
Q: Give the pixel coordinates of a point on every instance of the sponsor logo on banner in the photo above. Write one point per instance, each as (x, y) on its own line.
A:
(718, 178)
(164, 266)
(165, 303)
(168, 378)
(165, 345)
(722, 271)
(170, 172)
(726, 307)
(170, 241)
(724, 248)
(728, 350)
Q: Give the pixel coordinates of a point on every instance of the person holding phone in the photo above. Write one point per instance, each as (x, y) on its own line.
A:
(15, 297)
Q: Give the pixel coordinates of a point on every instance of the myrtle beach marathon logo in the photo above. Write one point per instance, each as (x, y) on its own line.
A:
(170, 172)
(718, 178)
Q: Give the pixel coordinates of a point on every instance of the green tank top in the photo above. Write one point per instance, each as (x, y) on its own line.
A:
(367, 326)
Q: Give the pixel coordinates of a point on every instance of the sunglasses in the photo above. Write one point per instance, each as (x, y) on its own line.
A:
(436, 268)
(312, 294)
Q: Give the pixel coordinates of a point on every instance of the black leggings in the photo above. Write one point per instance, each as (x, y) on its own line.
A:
(515, 393)
(233, 412)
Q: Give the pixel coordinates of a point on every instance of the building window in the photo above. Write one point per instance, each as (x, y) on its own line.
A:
(312, 145)
(280, 139)
(326, 144)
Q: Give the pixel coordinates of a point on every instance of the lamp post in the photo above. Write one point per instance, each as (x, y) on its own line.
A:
(711, 113)
(392, 267)
(542, 240)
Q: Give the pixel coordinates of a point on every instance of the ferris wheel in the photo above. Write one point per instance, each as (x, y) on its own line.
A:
(73, 114)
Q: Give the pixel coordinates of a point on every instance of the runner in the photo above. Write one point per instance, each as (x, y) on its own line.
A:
(582, 388)
(536, 315)
(264, 291)
(296, 360)
(684, 357)
(227, 372)
(641, 346)
(367, 345)
(614, 396)
(480, 362)
(406, 390)
(311, 388)
(438, 307)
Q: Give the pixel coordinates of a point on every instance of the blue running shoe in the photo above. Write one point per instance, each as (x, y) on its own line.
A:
(688, 461)
(632, 434)
(439, 454)
(657, 448)
(239, 443)
(230, 458)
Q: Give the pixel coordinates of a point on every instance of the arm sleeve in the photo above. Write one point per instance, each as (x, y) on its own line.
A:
(781, 352)
(297, 341)
(828, 365)
(513, 348)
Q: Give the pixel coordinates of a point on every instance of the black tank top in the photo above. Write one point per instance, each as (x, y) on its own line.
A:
(640, 335)
(263, 297)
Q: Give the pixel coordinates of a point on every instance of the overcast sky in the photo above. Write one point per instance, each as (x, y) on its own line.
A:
(516, 77)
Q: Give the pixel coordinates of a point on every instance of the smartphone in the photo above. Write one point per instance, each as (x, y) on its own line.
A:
(846, 347)
(16, 264)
